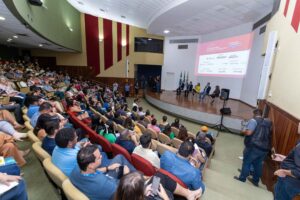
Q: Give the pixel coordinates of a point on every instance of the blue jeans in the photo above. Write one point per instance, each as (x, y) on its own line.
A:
(13, 169)
(285, 190)
(16, 193)
(254, 157)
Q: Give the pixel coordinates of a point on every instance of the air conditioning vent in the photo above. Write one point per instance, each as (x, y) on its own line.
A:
(176, 41)
(183, 46)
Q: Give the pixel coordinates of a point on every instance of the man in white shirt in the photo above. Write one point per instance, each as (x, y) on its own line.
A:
(144, 150)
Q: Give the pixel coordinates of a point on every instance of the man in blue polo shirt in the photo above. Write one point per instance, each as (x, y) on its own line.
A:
(179, 165)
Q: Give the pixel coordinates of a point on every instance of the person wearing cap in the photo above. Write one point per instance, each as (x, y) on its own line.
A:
(208, 134)
(179, 165)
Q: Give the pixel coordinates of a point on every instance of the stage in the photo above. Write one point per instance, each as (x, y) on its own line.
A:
(191, 108)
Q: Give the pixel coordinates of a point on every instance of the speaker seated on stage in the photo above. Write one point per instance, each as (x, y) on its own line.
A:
(205, 91)
(197, 89)
(189, 88)
(216, 93)
(180, 88)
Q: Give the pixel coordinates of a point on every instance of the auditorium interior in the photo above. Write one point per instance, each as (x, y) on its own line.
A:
(178, 74)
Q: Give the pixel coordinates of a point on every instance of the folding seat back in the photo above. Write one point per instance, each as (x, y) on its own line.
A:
(176, 143)
(175, 130)
(56, 175)
(143, 165)
(163, 138)
(40, 152)
(173, 177)
(152, 132)
(71, 192)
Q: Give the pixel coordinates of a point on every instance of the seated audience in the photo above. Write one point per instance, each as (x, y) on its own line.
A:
(134, 186)
(44, 108)
(8, 148)
(144, 150)
(7, 116)
(199, 156)
(39, 129)
(168, 132)
(7, 128)
(201, 141)
(142, 121)
(108, 131)
(205, 91)
(179, 165)
(51, 128)
(141, 112)
(163, 123)
(197, 89)
(16, 193)
(131, 126)
(208, 134)
(33, 105)
(93, 179)
(153, 126)
(127, 140)
(182, 135)
(176, 123)
(16, 109)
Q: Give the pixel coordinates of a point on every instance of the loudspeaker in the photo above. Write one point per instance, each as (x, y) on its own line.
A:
(224, 94)
(36, 2)
(225, 111)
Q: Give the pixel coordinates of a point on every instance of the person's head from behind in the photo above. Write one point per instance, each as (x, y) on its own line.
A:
(145, 140)
(182, 135)
(164, 118)
(131, 187)
(167, 130)
(45, 107)
(66, 138)
(147, 113)
(176, 121)
(41, 121)
(142, 117)
(110, 126)
(52, 127)
(186, 149)
(134, 109)
(257, 112)
(128, 123)
(89, 158)
(140, 109)
(126, 134)
(153, 122)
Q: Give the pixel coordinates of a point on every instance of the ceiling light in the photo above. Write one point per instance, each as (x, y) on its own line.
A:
(70, 28)
(102, 10)
(2, 18)
(15, 36)
(149, 38)
(122, 16)
(123, 43)
(40, 45)
(79, 2)
(166, 31)
(9, 40)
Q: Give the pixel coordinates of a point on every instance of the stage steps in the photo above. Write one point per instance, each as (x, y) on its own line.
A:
(218, 176)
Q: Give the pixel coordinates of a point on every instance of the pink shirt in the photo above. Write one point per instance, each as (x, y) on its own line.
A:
(155, 128)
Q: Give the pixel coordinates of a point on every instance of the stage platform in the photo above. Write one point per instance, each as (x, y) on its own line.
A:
(192, 109)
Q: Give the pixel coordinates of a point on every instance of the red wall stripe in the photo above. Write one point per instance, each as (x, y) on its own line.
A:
(127, 39)
(119, 40)
(92, 42)
(108, 43)
(296, 16)
(286, 7)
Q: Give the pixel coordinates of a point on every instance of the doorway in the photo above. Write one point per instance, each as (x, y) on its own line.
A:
(145, 75)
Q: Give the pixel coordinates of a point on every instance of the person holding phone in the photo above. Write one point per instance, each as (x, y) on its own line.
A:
(288, 182)
(158, 187)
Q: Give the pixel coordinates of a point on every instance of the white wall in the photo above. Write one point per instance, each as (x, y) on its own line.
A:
(179, 60)
(251, 81)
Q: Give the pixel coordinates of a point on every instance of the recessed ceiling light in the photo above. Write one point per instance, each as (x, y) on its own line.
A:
(9, 40)
(15, 36)
(122, 16)
(102, 10)
(40, 45)
(2, 18)
(70, 28)
(166, 31)
(149, 38)
(80, 2)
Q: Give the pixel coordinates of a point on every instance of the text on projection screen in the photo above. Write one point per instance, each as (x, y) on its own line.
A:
(226, 57)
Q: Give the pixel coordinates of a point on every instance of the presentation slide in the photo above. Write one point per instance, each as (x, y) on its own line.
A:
(226, 57)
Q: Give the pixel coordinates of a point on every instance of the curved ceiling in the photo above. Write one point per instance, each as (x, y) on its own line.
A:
(181, 17)
(14, 33)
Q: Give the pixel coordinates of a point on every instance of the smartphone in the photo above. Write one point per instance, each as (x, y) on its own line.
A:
(155, 185)
(120, 172)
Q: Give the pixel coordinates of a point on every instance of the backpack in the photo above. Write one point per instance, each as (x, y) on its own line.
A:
(261, 137)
